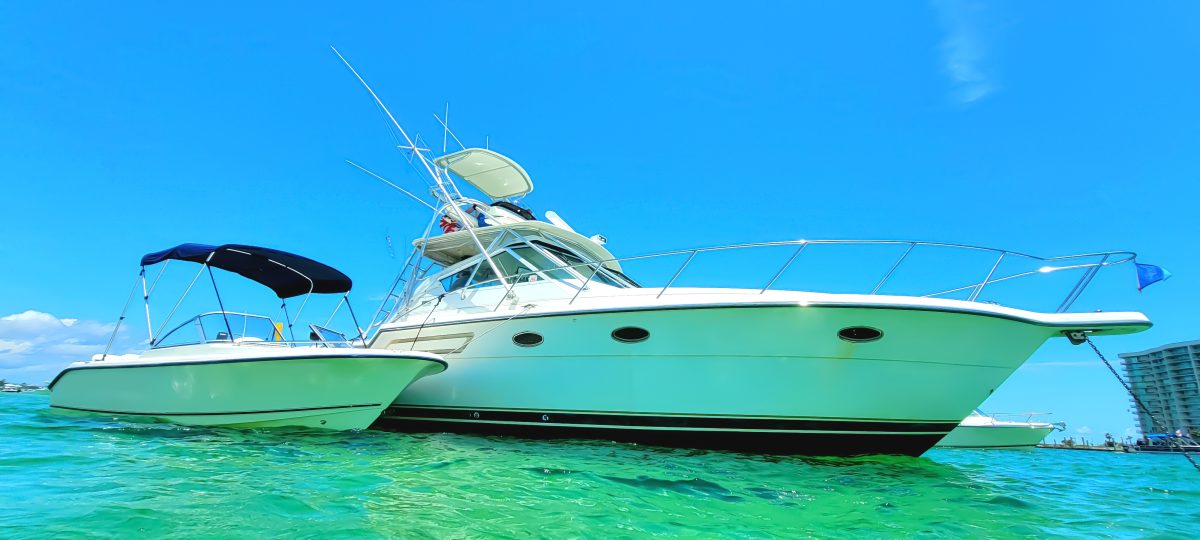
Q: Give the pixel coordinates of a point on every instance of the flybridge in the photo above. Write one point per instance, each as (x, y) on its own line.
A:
(498, 177)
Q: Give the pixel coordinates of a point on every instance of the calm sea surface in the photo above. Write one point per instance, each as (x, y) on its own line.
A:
(67, 476)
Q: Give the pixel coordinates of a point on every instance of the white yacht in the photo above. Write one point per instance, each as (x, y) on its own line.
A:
(547, 336)
(234, 369)
(980, 430)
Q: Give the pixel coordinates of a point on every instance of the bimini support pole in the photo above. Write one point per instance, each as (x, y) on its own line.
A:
(336, 308)
(163, 326)
(146, 300)
(220, 304)
(288, 318)
(117, 327)
(350, 308)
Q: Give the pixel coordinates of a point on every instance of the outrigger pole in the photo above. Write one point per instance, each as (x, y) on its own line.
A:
(437, 177)
(394, 186)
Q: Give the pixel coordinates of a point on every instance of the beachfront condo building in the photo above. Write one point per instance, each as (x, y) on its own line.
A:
(1167, 381)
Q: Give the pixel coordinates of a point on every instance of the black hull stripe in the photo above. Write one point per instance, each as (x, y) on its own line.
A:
(229, 413)
(665, 422)
(240, 361)
(780, 443)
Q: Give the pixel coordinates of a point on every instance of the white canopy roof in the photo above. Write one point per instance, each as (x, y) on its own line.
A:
(450, 248)
(495, 175)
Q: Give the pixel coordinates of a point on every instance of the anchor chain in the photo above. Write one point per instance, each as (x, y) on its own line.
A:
(1137, 400)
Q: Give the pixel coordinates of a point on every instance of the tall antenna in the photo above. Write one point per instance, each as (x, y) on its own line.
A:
(433, 171)
(428, 166)
(445, 128)
(446, 125)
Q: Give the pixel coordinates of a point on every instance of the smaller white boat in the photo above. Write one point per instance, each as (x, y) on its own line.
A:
(236, 369)
(981, 430)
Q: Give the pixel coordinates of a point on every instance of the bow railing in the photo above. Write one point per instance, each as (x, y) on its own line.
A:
(1088, 263)
(1081, 261)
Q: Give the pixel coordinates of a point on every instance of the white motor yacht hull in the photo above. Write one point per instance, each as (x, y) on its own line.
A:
(772, 378)
(244, 386)
(997, 436)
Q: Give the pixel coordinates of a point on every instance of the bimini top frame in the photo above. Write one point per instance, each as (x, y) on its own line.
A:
(287, 275)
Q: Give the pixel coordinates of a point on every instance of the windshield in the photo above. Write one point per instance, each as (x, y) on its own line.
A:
(211, 327)
(523, 263)
(589, 270)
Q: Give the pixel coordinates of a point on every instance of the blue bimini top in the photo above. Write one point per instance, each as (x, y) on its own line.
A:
(285, 273)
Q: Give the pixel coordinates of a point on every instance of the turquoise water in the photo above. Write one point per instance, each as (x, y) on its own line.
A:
(68, 476)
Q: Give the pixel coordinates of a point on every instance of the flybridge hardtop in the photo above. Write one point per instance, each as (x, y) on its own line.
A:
(285, 273)
(495, 175)
(450, 248)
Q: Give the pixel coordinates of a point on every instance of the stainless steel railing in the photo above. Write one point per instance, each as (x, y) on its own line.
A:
(1106, 259)
(1090, 263)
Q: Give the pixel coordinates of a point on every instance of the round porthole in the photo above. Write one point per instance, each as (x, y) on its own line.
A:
(859, 334)
(528, 339)
(630, 334)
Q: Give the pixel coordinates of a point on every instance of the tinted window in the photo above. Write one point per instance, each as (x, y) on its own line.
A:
(485, 277)
(541, 262)
(582, 267)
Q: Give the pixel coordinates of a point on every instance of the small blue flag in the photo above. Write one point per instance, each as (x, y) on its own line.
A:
(1149, 274)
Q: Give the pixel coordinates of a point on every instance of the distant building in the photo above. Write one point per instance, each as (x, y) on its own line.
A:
(1167, 380)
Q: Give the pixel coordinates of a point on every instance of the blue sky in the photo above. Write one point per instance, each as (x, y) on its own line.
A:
(1048, 129)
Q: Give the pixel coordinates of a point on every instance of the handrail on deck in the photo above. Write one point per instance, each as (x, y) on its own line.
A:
(1109, 258)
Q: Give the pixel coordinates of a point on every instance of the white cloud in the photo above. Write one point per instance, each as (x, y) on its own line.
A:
(1083, 430)
(964, 50)
(37, 344)
(11, 346)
